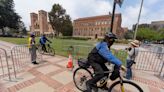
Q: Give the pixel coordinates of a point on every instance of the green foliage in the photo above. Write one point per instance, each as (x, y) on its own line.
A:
(67, 27)
(8, 16)
(161, 33)
(149, 34)
(60, 21)
(129, 35)
(75, 38)
(15, 40)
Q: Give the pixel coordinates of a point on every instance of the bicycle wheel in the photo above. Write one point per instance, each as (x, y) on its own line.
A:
(80, 76)
(128, 86)
(51, 51)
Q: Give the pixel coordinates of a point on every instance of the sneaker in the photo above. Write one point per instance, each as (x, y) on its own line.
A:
(35, 63)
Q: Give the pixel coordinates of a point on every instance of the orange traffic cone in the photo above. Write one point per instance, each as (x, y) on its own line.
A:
(70, 63)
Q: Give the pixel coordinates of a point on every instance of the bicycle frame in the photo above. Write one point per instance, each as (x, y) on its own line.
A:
(121, 82)
(100, 84)
(121, 79)
(48, 45)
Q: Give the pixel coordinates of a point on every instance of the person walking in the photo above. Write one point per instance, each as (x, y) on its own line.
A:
(32, 48)
(132, 53)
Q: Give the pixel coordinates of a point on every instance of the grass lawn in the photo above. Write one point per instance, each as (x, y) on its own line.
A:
(61, 46)
(14, 40)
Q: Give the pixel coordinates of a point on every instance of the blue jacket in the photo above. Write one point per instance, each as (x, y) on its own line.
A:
(43, 40)
(104, 51)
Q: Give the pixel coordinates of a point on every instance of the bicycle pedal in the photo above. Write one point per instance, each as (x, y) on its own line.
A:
(102, 83)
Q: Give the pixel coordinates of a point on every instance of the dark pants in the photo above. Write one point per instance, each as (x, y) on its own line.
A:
(99, 70)
(44, 47)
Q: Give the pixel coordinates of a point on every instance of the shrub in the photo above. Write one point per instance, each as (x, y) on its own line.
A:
(74, 38)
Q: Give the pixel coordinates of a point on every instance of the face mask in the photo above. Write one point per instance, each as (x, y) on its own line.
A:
(110, 42)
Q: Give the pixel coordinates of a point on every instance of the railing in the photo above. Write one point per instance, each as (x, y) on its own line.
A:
(4, 65)
(14, 61)
(20, 56)
(145, 61)
(150, 61)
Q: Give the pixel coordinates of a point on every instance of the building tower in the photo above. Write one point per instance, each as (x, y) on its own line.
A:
(43, 21)
(34, 19)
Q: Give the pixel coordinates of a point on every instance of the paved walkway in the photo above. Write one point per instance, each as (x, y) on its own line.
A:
(51, 75)
(6, 45)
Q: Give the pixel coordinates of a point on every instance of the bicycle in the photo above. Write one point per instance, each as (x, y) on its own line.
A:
(85, 74)
(50, 50)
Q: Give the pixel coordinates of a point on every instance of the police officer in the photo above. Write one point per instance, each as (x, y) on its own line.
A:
(99, 56)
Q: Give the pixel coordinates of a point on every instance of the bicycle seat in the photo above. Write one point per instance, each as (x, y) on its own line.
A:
(83, 63)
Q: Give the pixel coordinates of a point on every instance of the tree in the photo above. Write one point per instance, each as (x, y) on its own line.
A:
(8, 17)
(67, 28)
(149, 34)
(60, 21)
(161, 33)
(128, 35)
(22, 28)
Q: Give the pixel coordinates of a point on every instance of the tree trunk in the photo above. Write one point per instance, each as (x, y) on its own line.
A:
(57, 32)
(3, 32)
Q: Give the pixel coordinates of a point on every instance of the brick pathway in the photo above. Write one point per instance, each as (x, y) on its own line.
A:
(52, 76)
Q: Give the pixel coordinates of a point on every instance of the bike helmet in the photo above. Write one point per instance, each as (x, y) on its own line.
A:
(32, 34)
(110, 35)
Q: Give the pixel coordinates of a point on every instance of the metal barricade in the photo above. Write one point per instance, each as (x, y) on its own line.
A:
(4, 65)
(21, 57)
(150, 61)
(146, 60)
(82, 51)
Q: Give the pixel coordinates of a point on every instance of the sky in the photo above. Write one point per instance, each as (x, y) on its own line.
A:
(152, 10)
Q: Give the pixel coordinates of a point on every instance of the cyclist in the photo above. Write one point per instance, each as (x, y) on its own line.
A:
(42, 41)
(97, 59)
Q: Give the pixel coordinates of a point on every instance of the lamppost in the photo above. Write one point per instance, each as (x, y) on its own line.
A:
(136, 27)
(113, 13)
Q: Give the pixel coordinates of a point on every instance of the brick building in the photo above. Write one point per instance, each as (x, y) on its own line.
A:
(39, 24)
(154, 24)
(97, 26)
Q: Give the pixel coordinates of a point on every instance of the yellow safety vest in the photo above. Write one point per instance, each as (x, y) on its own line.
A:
(29, 42)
